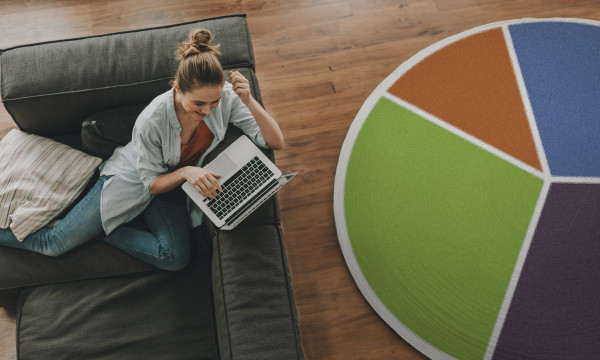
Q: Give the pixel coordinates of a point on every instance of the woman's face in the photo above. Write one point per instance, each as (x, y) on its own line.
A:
(199, 102)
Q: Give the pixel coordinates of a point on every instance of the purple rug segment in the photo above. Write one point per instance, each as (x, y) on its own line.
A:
(555, 311)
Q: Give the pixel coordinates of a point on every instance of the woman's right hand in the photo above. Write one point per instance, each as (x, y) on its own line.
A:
(203, 180)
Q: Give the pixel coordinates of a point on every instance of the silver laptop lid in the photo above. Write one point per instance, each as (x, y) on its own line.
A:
(240, 153)
(237, 155)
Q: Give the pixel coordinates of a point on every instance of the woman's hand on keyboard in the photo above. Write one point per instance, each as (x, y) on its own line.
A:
(203, 180)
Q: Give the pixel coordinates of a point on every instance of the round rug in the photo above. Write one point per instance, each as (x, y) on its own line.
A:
(467, 194)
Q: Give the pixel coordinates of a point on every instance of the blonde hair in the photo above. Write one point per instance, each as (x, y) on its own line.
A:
(198, 62)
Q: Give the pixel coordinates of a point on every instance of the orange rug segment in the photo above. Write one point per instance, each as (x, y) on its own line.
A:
(471, 85)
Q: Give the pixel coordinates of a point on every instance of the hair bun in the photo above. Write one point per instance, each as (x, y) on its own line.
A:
(199, 42)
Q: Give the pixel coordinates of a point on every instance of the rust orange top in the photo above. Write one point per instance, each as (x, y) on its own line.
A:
(200, 142)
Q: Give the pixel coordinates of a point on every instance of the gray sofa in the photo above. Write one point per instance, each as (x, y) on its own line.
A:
(233, 301)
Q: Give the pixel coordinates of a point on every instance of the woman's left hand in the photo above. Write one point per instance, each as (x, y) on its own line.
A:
(268, 126)
(241, 86)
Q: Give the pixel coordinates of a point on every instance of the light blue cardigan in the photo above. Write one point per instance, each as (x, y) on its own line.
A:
(155, 149)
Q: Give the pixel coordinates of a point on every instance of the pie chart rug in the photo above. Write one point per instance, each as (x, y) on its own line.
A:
(467, 194)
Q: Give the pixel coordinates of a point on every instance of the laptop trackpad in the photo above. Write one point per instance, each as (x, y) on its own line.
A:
(222, 165)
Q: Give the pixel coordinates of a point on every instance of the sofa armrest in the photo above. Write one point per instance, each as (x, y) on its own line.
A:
(253, 298)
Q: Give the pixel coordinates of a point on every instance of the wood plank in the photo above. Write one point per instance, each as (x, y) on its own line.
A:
(44, 24)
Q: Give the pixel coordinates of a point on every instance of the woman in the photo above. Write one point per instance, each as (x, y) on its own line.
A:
(170, 137)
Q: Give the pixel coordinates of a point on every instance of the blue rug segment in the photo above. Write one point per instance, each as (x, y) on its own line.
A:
(560, 63)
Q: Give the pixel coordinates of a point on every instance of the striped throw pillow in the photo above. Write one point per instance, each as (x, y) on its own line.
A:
(39, 178)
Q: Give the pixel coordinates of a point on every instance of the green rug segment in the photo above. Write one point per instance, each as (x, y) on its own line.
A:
(436, 224)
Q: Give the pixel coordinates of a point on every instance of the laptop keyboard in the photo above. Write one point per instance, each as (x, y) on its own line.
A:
(239, 187)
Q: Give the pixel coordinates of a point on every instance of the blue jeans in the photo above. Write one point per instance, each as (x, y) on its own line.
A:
(166, 247)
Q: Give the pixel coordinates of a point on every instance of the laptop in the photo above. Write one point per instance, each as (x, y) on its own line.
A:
(248, 179)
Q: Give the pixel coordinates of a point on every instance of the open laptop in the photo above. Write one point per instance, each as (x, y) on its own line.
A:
(248, 179)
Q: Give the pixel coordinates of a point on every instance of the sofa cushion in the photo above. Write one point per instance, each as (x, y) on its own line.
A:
(96, 73)
(40, 178)
(253, 297)
(104, 131)
(166, 315)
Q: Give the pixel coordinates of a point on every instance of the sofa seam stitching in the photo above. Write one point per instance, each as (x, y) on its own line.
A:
(18, 330)
(82, 91)
(223, 294)
(116, 86)
(288, 286)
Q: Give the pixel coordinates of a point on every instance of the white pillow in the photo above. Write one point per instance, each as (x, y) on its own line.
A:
(39, 179)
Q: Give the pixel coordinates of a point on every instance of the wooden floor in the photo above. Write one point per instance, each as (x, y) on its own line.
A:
(317, 61)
